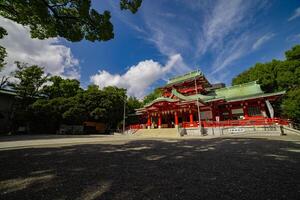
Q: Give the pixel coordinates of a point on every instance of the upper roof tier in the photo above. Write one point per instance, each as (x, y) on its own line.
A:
(187, 77)
(245, 91)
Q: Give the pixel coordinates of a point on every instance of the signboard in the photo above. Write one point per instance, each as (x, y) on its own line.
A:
(236, 130)
(270, 108)
(217, 118)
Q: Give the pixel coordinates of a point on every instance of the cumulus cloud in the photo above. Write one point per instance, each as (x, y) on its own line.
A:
(56, 58)
(262, 40)
(220, 28)
(140, 77)
(295, 15)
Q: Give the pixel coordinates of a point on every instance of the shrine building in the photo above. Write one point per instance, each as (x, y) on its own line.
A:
(191, 98)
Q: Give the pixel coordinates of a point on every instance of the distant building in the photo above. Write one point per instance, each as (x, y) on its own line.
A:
(7, 99)
(217, 104)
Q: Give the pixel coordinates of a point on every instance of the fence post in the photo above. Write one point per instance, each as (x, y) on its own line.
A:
(281, 130)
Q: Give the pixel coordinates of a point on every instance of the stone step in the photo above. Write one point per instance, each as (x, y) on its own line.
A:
(164, 132)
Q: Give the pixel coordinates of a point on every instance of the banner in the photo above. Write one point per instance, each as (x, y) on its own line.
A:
(270, 108)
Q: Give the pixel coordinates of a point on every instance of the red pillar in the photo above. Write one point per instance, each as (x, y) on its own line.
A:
(191, 118)
(245, 109)
(149, 121)
(263, 109)
(229, 112)
(159, 120)
(176, 119)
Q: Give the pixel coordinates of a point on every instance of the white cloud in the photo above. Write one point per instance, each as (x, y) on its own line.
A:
(234, 50)
(213, 34)
(221, 30)
(56, 59)
(225, 33)
(224, 18)
(140, 77)
(295, 15)
(263, 39)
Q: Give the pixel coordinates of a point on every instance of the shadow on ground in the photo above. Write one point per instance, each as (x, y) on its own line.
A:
(5, 138)
(232, 168)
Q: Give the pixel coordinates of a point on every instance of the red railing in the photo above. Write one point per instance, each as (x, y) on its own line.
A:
(137, 126)
(245, 122)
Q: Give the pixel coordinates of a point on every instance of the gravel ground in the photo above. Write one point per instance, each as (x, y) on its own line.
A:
(222, 168)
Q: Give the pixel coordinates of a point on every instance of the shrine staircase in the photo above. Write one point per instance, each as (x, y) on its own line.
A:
(158, 133)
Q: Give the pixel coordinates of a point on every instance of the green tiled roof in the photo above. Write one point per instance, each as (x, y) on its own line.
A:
(184, 77)
(192, 97)
(227, 93)
(255, 96)
(160, 99)
(233, 93)
(246, 89)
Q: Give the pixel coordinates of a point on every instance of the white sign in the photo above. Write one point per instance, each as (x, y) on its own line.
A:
(236, 130)
(217, 118)
(270, 108)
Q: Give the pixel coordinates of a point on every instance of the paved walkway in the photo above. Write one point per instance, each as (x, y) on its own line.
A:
(121, 167)
(28, 141)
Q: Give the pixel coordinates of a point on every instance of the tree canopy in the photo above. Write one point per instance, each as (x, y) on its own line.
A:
(59, 87)
(276, 76)
(153, 95)
(3, 53)
(73, 20)
(29, 80)
(43, 103)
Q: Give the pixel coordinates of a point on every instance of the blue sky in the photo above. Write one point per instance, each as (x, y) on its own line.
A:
(166, 38)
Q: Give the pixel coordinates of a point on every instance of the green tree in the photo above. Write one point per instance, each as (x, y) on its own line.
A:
(46, 115)
(92, 104)
(113, 102)
(293, 54)
(71, 19)
(60, 87)
(153, 95)
(29, 81)
(27, 84)
(277, 76)
(291, 104)
(132, 104)
(3, 54)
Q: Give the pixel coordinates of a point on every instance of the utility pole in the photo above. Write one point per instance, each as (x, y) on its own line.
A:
(124, 115)
(199, 116)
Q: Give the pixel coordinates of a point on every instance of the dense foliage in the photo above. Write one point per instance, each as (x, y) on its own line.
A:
(152, 96)
(43, 104)
(2, 49)
(71, 19)
(29, 81)
(276, 76)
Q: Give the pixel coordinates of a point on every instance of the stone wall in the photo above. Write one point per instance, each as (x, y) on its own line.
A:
(223, 131)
